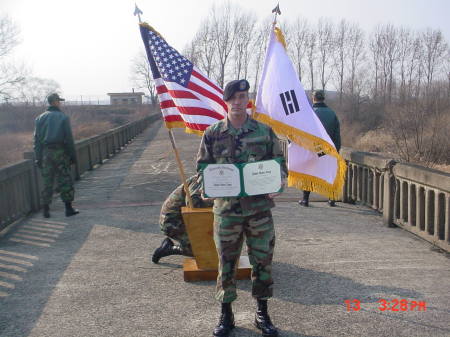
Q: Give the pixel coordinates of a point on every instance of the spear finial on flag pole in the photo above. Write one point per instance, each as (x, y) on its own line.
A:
(137, 12)
(277, 11)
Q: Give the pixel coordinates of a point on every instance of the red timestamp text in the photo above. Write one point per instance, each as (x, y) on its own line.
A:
(389, 305)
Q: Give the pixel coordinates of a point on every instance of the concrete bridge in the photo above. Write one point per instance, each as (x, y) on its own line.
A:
(91, 275)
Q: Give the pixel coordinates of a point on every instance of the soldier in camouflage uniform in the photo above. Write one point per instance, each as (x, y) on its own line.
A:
(55, 152)
(241, 139)
(171, 220)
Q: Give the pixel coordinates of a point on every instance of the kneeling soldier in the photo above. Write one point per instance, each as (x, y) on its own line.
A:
(171, 220)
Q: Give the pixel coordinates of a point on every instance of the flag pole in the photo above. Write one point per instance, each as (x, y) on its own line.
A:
(277, 12)
(137, 12)
(190, 204)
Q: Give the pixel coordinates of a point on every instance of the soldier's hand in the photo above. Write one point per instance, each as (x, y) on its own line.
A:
(206, 199)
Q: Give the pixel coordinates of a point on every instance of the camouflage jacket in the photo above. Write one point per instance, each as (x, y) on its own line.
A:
(171, 209)
(223, 144)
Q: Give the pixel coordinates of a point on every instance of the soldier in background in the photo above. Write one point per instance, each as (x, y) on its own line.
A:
(331, 124)
(240, 139)
(54, 150)
(171, 220)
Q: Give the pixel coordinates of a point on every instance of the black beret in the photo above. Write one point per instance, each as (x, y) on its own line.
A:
(235, 86)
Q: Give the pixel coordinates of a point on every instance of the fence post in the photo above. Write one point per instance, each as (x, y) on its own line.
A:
(388, 196)
(34, 183)
(345, 198)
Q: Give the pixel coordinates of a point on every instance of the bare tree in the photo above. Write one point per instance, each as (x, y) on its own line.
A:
(421, 130)
(406, 47)
(259, 47)
(389, 57)
(206, 48)
(9, 35)
(355, 55)
(35, 90)
(447, 71)
(246, 24)
(224, 31)
(435, 49)
(142, 77)
(384, 49)
(375, 46)
(191, 52)
(325, 46)
(340, 55)
(414, 67)
(311, 54)
(299, 42)
(11, 75)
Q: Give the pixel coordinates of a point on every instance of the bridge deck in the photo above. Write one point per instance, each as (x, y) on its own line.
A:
(91, 276)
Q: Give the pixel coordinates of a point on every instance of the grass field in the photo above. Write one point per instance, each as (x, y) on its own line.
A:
(17, 125)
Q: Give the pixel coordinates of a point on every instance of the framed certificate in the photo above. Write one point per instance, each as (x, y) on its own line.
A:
(243, 179)
(261, 177)
(221, 180)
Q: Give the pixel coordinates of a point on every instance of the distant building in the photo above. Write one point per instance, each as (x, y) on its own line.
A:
(125, 98)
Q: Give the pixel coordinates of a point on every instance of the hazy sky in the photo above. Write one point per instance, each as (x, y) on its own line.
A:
(87, 45)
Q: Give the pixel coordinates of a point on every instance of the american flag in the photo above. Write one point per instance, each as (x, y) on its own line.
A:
(187, 97)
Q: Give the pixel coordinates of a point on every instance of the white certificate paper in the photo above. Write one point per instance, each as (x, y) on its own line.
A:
(262, 177)
(221, 180)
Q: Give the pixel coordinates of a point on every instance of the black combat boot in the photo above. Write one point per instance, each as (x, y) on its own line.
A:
(263, 322)
(167, 248)
(46, 211)
(305, 200)
(332, 203)
(226, 322)
(70, 210)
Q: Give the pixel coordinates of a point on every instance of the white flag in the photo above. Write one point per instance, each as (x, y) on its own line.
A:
(281, 102)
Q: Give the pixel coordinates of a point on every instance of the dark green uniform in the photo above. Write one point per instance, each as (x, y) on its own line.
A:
(234, 217)
(171, 220)
(330, 122)
(55, 152)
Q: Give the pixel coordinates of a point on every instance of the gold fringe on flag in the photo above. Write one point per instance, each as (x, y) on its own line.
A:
(304, 139)
(311, 183)
(280, 36)
(313, 144)
(146, 25)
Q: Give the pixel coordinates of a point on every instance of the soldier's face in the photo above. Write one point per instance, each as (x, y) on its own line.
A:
(237, 103)
(56, 103)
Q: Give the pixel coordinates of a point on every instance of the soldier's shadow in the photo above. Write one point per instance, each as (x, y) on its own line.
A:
(310, 287)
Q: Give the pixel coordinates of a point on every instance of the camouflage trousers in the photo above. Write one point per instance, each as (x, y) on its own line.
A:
(56, 164)
(176, 230)
(260, 239)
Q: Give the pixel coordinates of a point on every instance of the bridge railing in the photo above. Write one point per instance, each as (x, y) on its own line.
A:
(21, 184)
(413, 197)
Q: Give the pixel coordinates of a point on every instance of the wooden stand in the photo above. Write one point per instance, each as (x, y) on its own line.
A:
(192, 273)
(199, 226)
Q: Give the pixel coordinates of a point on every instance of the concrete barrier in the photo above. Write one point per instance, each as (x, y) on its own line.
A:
(411, 196)
(21, 185)
(421, 202)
